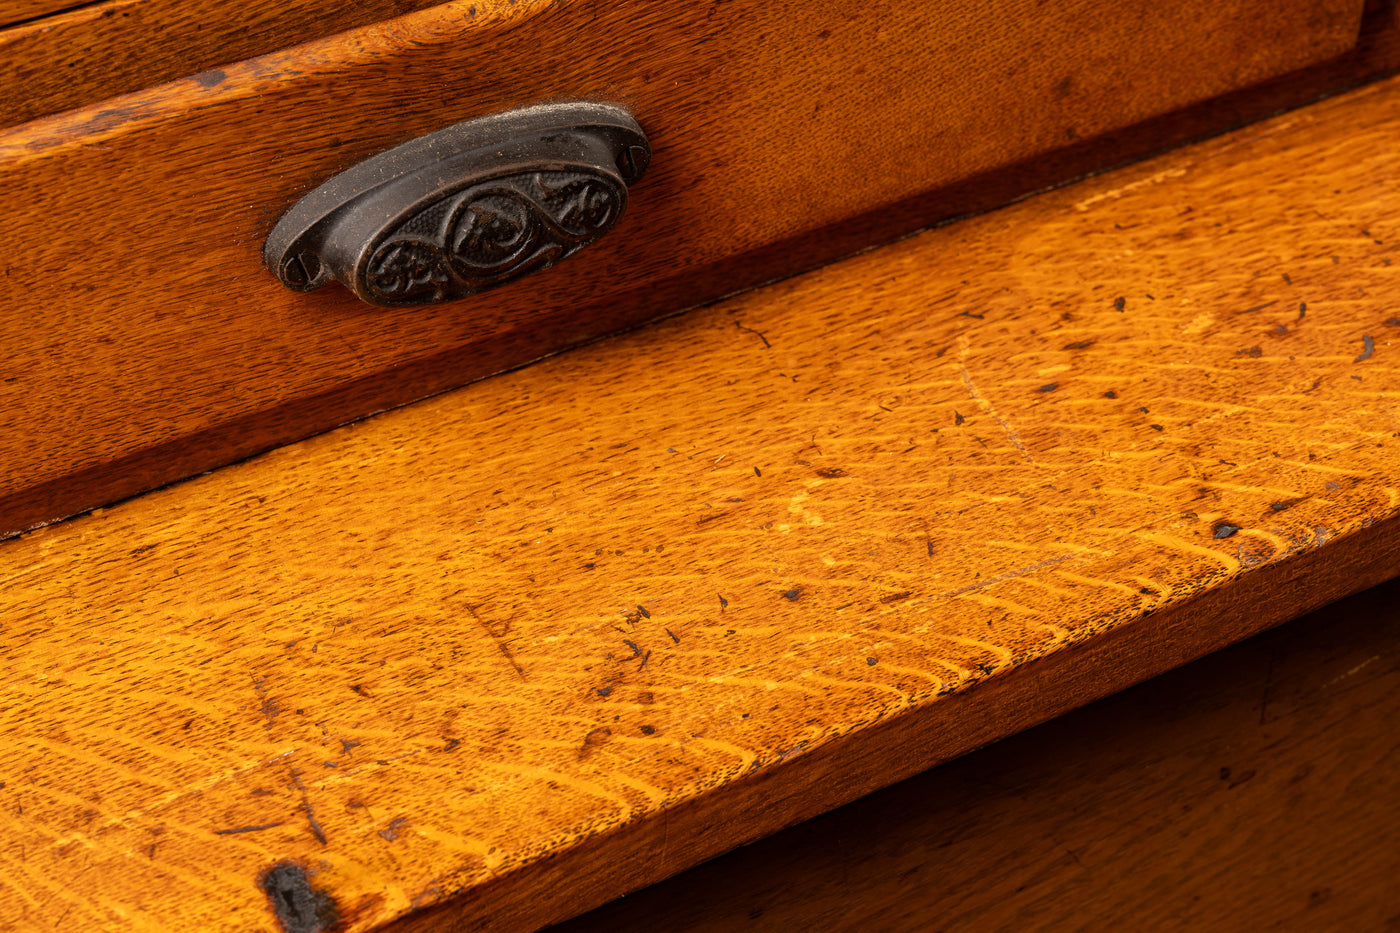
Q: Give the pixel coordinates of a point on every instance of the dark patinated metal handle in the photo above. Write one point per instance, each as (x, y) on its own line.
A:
(466, 208)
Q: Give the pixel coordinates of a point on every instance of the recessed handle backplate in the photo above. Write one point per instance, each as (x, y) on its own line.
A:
(466, 208)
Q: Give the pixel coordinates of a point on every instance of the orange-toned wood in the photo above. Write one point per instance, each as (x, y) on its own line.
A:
(99, 50)
(144, 341)
(1252, 790)
(493, 659)
(14, 11)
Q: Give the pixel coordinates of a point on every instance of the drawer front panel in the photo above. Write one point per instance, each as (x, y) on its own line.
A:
(90, 53)
(143, 339)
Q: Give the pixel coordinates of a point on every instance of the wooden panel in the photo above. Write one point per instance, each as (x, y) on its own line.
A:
(100, 50)
(13, 11)
(1253, 790)
(496, 658)
(168, 349)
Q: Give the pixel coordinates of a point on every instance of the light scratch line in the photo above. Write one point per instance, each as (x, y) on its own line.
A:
(987, 406)
(1009, 575)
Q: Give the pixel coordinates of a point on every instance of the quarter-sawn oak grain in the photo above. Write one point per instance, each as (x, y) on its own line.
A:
(144, 341)
(496, 658)
(1254, 789)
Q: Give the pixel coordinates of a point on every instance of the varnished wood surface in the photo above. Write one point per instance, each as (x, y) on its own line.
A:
(144, 342)
(96, 51)
(14, 11)
(1252, 790)
(496, 658)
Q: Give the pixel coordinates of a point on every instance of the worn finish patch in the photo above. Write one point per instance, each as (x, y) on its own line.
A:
(300, 907)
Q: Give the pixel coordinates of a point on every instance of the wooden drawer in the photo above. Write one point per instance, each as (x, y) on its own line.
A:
(56, 55)
(144, 341)
(491, 659)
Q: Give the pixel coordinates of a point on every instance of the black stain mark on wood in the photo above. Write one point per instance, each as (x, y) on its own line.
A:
(246, 829)
(750, 330)
(835, 472)
(1259, 307)
(896, 597)
(1120, 304)
(643, 610)
(451, 745)
(1368, 346)
(672, 634)
(958, 418)
(793, 593)
(723, 603)
(757, 472)
(298, 905)
(1049, 387)
(1110, 394)
(970, 314)
(1156, 427)
(1223, 530)
(1253, 352)
(871, 661)
(211, 78)
(633, 645)
(1079, 345)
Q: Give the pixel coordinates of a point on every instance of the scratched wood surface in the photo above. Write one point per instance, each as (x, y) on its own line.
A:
(493, 659)
(144, 341)
(1254, 789)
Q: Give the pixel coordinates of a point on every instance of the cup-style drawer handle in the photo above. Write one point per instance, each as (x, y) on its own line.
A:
(465, 208)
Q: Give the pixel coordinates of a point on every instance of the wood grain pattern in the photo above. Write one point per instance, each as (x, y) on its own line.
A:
(13, 11)
(170, 350)
(496, 658)
(100, 50)
(1252, 790)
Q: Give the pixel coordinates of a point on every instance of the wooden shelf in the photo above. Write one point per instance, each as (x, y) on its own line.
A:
(1253, 789)
(498, 657)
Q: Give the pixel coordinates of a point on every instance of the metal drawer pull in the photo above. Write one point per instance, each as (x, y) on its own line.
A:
(466, 208)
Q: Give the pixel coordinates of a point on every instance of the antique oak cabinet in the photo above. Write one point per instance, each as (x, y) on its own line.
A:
(952, 366)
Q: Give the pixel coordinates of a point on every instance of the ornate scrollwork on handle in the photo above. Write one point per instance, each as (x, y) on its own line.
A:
(492, 232)
(464, 209)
